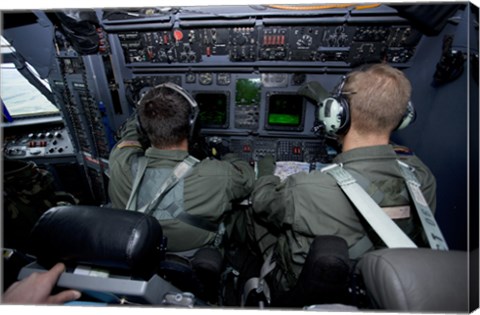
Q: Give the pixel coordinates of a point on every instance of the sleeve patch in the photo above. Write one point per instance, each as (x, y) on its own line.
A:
(129, 144)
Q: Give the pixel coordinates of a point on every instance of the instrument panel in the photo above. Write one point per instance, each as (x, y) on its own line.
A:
(253, 114)
(253, 148)
(240, 103)
(52, 142)
(347, 44)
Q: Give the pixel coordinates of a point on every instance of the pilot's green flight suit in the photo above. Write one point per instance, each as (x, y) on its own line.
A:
(307, 205)
(207, 192)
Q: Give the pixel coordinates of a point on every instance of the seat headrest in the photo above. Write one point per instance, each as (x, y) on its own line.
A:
(418, 279)
(96, 236)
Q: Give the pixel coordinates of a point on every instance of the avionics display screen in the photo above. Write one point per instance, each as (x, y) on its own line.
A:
(248, 91)
(213, 109)
(285, 112)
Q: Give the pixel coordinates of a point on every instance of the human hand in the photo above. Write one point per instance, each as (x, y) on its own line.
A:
(37, 288)
(266, 165)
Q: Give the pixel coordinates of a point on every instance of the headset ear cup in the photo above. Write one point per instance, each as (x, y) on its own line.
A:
(334, 113)
(408, 118)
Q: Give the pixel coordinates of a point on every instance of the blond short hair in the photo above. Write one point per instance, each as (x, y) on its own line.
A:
(378, 96)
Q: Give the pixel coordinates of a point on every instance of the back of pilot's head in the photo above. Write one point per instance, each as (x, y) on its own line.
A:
(164, 115)
(378, 96)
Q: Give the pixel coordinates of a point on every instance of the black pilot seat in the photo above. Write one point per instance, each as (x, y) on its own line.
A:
(111, 255)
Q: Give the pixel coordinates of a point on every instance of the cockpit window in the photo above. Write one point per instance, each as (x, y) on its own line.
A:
(21, 98)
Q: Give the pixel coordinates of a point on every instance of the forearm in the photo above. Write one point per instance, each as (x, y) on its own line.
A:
(240, 165)
(243, 177)
(268, 199)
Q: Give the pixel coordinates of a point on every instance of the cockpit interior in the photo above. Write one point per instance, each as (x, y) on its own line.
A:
(71, 77)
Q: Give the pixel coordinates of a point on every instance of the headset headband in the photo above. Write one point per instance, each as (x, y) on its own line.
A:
(339, 88)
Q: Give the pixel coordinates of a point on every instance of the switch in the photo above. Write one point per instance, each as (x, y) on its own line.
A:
(178, 35)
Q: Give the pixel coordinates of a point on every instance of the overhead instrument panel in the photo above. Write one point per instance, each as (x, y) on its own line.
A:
(341, 40)
(161, 46)
(341, 43)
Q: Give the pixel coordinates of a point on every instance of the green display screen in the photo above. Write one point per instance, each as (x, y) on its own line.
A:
(285, 110)
(283, 119)
(213, 109)
(248, 91)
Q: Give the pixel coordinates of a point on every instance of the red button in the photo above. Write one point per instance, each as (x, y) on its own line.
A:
(178, 35)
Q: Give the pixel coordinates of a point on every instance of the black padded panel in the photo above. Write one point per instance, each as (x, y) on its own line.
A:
(324, 276)
(96, 236)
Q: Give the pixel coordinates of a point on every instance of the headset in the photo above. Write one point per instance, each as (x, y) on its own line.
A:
(191, 101)
(334, 112)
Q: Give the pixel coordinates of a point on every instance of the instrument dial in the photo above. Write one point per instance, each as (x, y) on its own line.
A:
(190, 77)
(305, 41)
(223, 79)
(205, 78)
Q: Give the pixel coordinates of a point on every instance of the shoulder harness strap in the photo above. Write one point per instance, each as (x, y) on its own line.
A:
(430, 226)
(180, 171)
(142, 166)
(387, 230)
